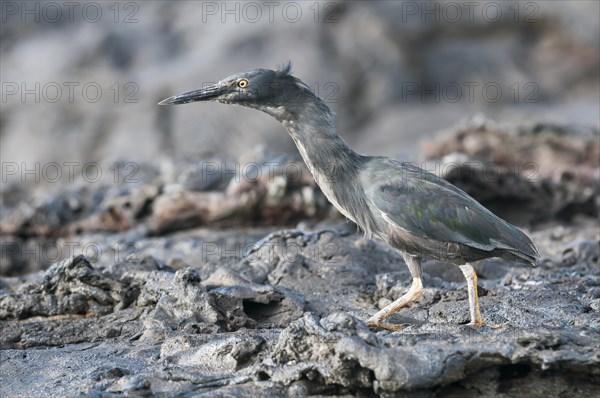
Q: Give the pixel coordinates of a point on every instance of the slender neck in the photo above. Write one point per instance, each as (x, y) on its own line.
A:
(335, 167)
(326, 154)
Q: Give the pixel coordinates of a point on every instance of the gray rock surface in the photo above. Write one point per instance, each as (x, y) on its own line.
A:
(287, 320)
(155, 290)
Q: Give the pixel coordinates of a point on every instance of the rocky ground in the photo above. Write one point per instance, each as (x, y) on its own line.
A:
(158, 288)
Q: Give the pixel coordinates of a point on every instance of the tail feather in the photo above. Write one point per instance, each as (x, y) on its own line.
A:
(516, 244)
(524, 252)
(524, 257)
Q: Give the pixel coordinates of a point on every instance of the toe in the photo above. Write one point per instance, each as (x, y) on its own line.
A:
(481, 324)
(387, 326)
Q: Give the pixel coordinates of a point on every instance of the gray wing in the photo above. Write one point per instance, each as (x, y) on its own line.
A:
(430, 207)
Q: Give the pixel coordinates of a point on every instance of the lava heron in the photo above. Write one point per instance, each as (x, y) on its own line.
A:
(411, 209)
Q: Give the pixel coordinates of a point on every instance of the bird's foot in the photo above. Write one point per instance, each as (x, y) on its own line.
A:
(476, 324)
(382, 325)
(307, 237)
(481, 324)
(498, 326)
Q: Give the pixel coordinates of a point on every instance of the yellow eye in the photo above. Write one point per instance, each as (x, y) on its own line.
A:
(243, 83)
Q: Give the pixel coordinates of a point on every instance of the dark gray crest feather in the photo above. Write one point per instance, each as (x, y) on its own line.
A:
(284, 69)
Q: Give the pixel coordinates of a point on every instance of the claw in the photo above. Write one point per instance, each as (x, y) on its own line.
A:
(499, 326)
(387, 326)
(482, 324)
(477, 324)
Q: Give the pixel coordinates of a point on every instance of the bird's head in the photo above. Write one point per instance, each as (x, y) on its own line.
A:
(275, 92)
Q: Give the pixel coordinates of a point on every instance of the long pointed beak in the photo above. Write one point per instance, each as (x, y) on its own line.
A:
(204, 94)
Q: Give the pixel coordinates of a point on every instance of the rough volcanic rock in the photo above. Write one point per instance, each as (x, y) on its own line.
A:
(72, 286)
(529, 173)
(287, 319)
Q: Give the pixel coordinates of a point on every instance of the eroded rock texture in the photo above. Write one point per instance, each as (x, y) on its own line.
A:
(535, 172)
(288, 320)
(184, 284)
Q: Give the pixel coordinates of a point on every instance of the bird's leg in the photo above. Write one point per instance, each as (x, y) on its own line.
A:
(471, 277)
(414, 266)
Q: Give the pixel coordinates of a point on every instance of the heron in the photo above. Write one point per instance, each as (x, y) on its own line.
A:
(414, 211)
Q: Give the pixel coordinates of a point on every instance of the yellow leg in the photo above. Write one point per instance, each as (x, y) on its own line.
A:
(414, 266)
(471, 277)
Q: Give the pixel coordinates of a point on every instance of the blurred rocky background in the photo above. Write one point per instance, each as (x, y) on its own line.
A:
(128, 231)
(82, 84)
